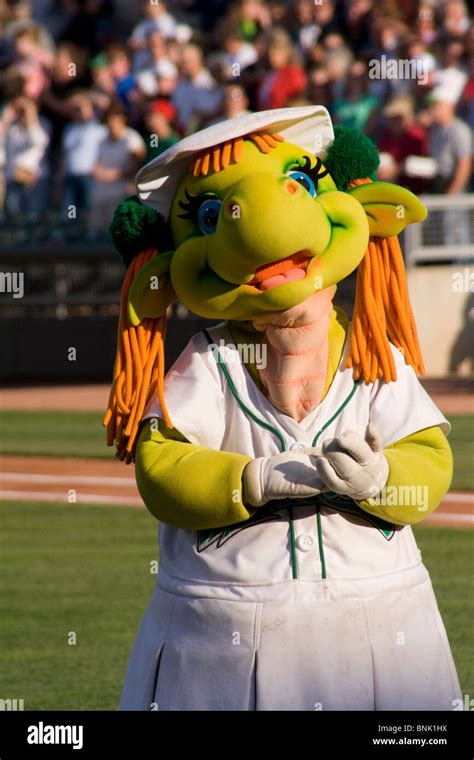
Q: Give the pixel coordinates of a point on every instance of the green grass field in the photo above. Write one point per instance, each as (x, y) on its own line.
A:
(84, 570)
(66, 434)
(87, 570)
(54, 434)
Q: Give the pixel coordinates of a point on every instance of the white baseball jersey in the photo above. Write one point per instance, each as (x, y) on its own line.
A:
(316, 576)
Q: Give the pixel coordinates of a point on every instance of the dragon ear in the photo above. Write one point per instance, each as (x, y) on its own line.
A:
(352, 160)
(151, 291)
(389, 208)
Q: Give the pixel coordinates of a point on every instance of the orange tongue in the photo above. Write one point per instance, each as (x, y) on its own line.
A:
(299, 259)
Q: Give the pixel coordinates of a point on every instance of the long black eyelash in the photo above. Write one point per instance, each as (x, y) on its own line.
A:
(313, 171)
(193, 202)
(191, 205)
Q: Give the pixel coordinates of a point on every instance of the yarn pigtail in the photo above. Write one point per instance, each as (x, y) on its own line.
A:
(138, 371)
(382, 313)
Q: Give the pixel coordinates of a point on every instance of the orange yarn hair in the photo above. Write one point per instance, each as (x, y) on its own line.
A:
(138, 371)
(382, 312)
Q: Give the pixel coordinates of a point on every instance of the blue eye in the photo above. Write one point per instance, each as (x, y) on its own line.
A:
(207, 215)
(305, 180)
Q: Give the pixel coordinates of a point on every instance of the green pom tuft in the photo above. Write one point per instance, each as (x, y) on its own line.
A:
(136, 227)
(351, 156)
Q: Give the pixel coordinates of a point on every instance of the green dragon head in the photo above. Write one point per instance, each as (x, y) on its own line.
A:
(269, 229)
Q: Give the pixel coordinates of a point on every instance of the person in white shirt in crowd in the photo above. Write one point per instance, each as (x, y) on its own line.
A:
(155, 50)
(237, 54)
(120, 154)
(80, 147)
(455, 17)
(25, 138)
(166, 78)
(197, 95)
(450, 144)
(147, 63)
(157, 19)
(452, 77)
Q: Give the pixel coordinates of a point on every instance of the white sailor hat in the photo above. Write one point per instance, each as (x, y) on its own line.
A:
(309, 127)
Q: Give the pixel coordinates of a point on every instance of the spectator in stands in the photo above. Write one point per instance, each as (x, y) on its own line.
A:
(466, 104)
(452, 76)
(69, 73)
(253, 16)
(356, 108)
(121, 70)
(102, 89)
(155, 49)
(309, 22)
(286, 79)
(336, 58)
(450, 143)
(426, 25)
(19, 12)
(166, 78)
(235, 102)
(356, 24)
(88, 24)
(319, 90)
(12, 84)
(401, 138)
(20, 17)
(157, 19)
(26, 138)
(159, 119)
(237, 53)
(196, 96)
(148, 61)
(455, 18)
(34, 62)
(82, 139)
(120, 154)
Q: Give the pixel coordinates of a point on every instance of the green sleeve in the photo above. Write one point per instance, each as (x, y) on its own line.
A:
(420, 473)
(189, 486)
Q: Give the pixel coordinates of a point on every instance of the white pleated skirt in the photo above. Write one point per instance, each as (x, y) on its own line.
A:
(375, 644)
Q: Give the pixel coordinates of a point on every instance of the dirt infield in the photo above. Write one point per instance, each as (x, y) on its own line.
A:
(78, 398)
(92, 398)
(80, 481)
(94, 481)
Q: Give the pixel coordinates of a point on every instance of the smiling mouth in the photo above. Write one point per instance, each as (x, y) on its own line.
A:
(276, 273)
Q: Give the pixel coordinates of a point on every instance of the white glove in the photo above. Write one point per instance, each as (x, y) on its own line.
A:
(353, 466)
(290, 475)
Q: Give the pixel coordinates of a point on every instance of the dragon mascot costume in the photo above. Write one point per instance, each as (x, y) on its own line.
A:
(288, 451)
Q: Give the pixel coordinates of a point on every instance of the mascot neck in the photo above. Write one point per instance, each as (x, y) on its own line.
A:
(297, 341)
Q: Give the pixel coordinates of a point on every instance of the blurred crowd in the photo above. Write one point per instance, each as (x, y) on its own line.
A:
(90, 90)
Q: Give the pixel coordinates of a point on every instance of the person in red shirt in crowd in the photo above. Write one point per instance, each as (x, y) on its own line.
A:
(401, 138)
(286, 79)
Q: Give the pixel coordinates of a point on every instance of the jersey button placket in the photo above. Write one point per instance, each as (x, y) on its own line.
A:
(305, 542)
(308, 561)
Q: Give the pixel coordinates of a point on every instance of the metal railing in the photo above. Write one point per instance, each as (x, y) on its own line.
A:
(63, 279)
(448, 233)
